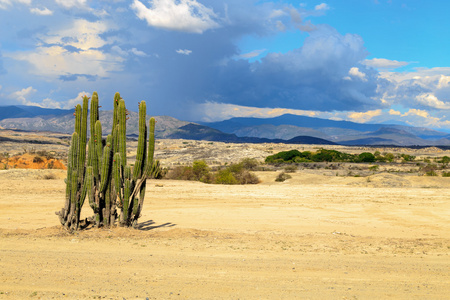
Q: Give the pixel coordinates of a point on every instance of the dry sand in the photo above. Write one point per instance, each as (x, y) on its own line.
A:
(311, 237)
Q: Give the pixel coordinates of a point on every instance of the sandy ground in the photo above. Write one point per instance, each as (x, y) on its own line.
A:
(311, 237)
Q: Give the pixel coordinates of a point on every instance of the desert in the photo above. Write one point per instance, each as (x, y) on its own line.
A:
(325, 233)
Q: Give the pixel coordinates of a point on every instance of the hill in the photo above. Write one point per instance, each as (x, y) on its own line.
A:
(342, 132)
(283, 129)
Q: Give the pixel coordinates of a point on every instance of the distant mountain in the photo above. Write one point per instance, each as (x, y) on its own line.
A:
(283, 129)
(341, 132)
(200, 132)
(56, 120)
(229, 126)
(22, 111)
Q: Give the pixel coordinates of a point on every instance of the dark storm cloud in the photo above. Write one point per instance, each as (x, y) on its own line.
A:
(316, 76)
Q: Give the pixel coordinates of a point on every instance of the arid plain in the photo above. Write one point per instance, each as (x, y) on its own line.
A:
(323, 234)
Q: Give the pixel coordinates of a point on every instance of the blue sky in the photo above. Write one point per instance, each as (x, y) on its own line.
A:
(357, 60)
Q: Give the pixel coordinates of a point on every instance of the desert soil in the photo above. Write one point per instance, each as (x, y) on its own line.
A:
(311, 237)
(314, 236)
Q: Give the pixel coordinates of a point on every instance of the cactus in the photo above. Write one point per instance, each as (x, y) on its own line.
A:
(130, 187)
(106, 178)
(76, 188)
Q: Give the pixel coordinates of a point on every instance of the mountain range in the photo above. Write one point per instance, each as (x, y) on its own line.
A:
(283, 129)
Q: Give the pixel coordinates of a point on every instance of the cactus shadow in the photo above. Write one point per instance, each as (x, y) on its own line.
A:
(150, 224)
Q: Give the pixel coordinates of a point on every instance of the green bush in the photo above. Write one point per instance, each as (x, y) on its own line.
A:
(200, 171)
(225, 177)
(285, 156)
(445, 160)
(366, 157)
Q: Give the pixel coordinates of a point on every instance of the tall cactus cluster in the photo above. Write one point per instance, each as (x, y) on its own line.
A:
(106, 178)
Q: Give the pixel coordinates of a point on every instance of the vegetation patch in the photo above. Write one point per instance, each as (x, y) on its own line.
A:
(238, 173)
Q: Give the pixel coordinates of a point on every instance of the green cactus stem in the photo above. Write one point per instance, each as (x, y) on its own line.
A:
(104, 177)
(76, 189)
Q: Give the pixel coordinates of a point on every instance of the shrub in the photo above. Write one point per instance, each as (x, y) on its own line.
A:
(282, 177)
(389, 157)
(285, 156)
(366, 157)
(431, 173)
(245, 177)
(49, 176)
(225, 177)
(249, 164)
(445, 174)
(200, 169)
(46, 154)
(445, 160)
(37, 159)
(407, 157)
(374, 168)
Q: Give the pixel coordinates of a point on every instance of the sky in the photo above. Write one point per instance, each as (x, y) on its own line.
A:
(366, 61)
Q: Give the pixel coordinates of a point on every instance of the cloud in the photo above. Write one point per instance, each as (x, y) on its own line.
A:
(394, 112)
(72, 50)
(23, 96)
(5, 4)
(138, 52)
(355, 72)
(71, 103)
(382, 63)
(125, 53)
(183, 51)
(310, 77)
(322, 7)
(253, 54)
(419, 89)
(41, 12)
(183, 15)
(81, 34)
(71, 3)
(363, 117)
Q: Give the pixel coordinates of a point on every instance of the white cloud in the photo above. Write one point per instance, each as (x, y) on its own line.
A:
(322, 6)
(71, 3)
(5, 4)
(355, 72)
(71, 103)
(182, 15)
(420, 89)
(382, 63)
(125, 53)
(183, 51)
(81, 34)
(56, 61)
(138, 52)
(276, 13)
(72, 50)
(363, 117)
(430, 100)
(23, 96)
(42, 12)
